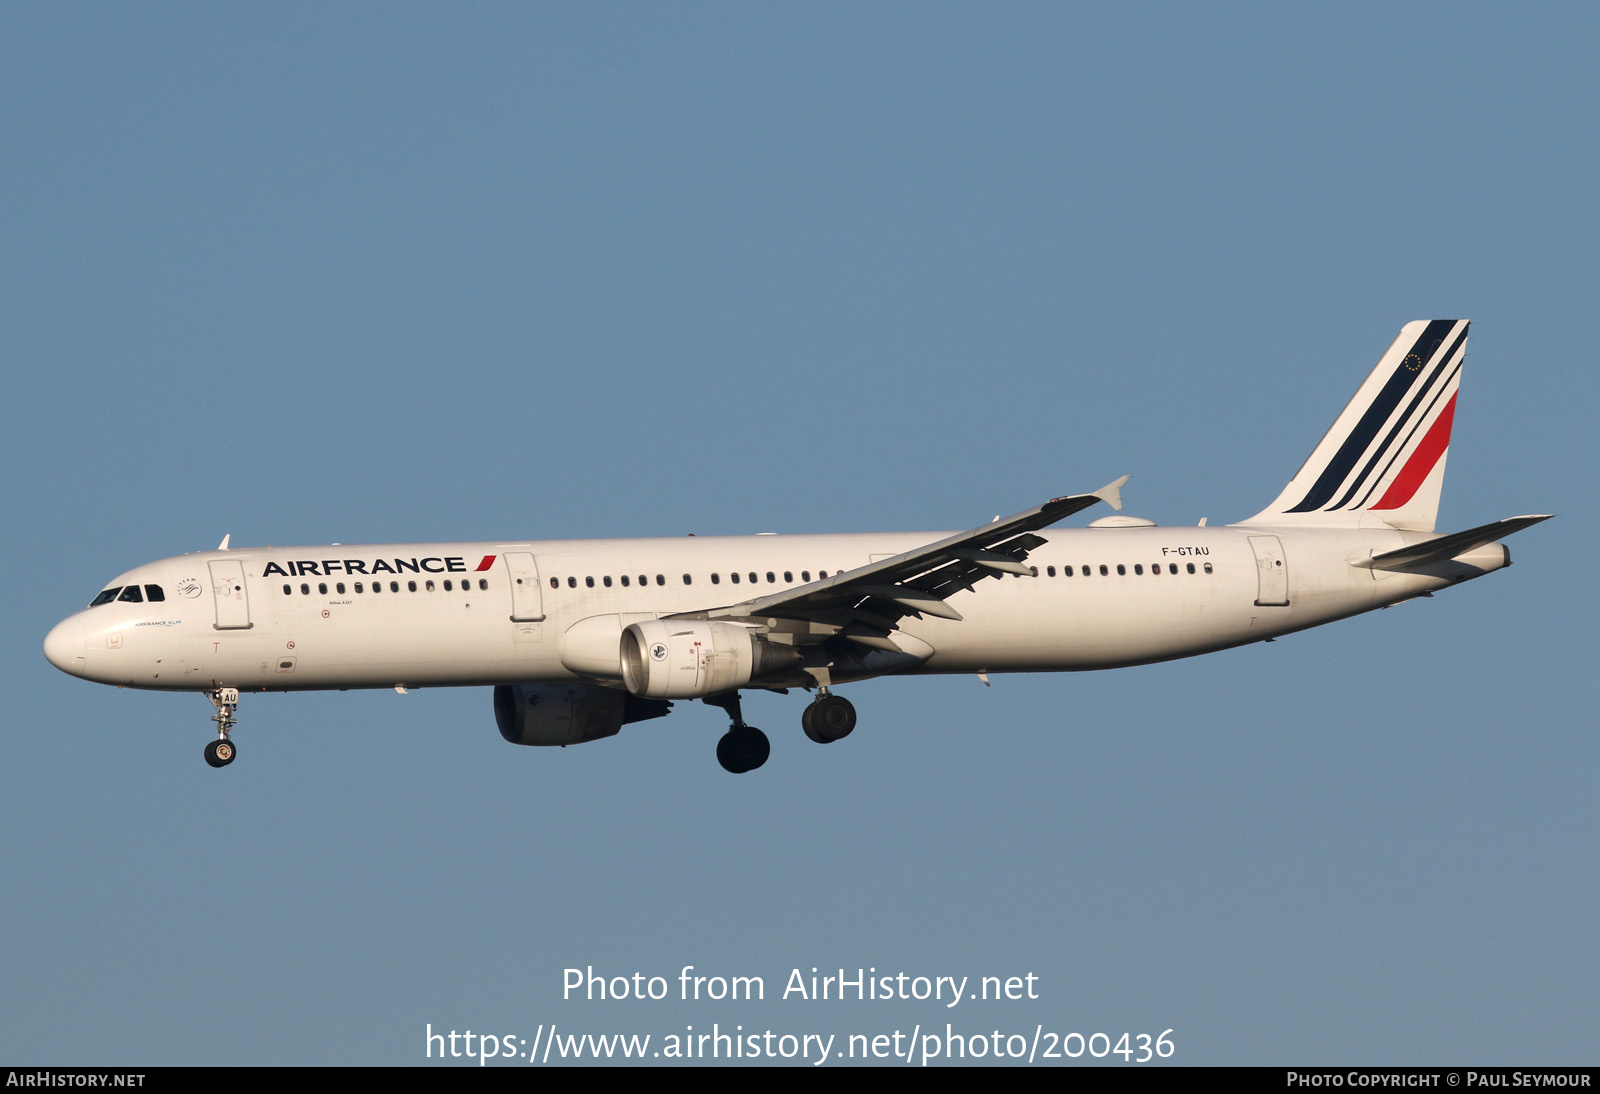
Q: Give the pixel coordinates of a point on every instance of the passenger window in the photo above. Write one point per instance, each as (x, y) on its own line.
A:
(555, 583)
(377, 586)
(411, 586)
(589, 581)
(788, 577)
(716, 579)
(428, 585)
(105, 597)
(624, 581)
(287, 591)
(606, 581)
(1138, 568)
(394, 586)
(1103, 571)
(154, 594)
(805, 575)
(734, 577)
(772, 579)
(753, 579)
(447, 586)
(687, 580)
(1172, 567)
(483, 583)
(1190, 567)
(1035, 570)
(1122, 571)
(1208, 567)
(661, 579)
(359, 587)
(340, 587)
(572, 583)
(305, 590)
(322, 587)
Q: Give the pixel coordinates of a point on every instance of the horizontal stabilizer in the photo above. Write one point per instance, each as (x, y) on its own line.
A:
(1448, 547)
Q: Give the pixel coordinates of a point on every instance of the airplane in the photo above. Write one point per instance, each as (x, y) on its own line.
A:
(579, 638)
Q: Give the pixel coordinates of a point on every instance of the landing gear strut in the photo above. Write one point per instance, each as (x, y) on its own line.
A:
(220, 752)
(743, 748)
(829, 718)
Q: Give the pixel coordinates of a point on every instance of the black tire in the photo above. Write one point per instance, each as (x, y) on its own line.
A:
(809, 724)
(833, 717)
(742, 749)
(220, 753)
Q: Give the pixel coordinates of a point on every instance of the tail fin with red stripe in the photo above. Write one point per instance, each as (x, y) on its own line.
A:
(1381, 465)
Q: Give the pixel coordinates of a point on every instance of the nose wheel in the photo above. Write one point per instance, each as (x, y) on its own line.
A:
(220, 752)
(743, 748)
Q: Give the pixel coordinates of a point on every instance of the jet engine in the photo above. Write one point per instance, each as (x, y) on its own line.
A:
(688, 659)
(567, 714)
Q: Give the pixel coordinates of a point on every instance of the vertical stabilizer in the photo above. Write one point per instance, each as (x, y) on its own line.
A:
(1382, 463)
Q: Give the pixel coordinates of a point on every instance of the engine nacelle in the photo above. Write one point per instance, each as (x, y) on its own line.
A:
(688, 658)
(567, 714)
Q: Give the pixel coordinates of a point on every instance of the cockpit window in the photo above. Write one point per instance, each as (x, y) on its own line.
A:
(154, 594)
(106, 597)
(131, 595)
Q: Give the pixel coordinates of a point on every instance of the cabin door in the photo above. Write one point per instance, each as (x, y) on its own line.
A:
(228, 590)
(1272, 576)
(527, 598)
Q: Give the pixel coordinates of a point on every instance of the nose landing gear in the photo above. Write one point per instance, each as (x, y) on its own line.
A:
(220, 753)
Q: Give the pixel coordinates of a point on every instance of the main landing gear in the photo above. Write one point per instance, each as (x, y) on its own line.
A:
(743, 748)
(220, 752)
(829, 718)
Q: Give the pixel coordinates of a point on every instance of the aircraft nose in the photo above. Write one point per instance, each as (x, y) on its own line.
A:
(66, 645)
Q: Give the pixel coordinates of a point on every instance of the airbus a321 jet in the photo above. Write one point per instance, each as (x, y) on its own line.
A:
(579, 638)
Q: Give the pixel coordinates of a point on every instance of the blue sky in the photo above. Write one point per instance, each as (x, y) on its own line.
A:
(307, 273)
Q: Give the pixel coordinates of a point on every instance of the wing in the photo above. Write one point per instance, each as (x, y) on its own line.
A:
(866, 605)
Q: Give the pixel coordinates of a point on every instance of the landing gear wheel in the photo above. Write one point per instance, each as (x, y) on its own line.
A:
(830, 718)
(743, 748)
(219, 753)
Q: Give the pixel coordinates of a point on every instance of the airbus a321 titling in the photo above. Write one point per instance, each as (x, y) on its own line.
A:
(581, 637)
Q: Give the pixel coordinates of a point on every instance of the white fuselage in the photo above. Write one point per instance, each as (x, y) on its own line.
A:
(292, 618)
